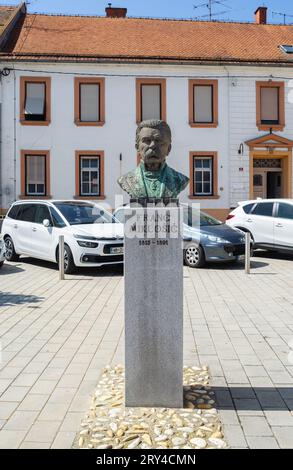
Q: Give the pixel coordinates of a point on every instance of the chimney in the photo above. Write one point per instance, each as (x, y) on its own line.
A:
(261, 15)
(112, 12)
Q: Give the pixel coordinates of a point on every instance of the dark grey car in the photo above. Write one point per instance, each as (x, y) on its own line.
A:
(206, 239)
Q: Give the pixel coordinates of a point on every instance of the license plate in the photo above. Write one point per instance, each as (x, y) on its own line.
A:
(116, 250)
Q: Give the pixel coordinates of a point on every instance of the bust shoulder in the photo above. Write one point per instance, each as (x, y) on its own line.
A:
(180, 181)
(129, 182)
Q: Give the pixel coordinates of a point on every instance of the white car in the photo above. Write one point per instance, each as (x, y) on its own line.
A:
(2, 251)
(269, 221)
(92, 236)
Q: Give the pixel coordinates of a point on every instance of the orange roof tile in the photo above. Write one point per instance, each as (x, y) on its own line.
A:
(43, 36)
(6, 14)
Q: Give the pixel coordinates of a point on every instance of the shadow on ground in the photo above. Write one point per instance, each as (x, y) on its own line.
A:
(254, 398)
(235, 265)
(273, 255)
(7, 299)
(10, 269)
(103, 271)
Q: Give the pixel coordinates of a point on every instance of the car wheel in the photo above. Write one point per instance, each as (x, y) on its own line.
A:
(69, 265)
(194, 256)
(10, 254)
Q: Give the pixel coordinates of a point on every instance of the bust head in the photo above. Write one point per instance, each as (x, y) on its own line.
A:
(153, 143)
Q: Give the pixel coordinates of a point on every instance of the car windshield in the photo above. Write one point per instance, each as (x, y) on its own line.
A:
(83, 213)
(193, 218)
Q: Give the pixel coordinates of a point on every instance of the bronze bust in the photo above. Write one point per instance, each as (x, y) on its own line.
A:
(153, 178)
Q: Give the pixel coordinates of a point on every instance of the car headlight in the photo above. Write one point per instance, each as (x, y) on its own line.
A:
(215, 239)
(84, 237)
(87, 244)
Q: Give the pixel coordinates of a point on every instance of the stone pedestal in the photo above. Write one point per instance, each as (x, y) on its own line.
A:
(153, 309)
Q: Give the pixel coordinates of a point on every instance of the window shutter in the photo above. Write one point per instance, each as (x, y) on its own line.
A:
(35, 99)
(89, 102)
(269, 104)
(150, 102)
(203, 103)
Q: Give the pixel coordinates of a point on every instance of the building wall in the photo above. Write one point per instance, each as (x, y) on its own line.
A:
(237, 123)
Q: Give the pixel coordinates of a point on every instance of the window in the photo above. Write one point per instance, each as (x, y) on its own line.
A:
(286, 48)
(89, 174)
(285, 211)
(270, 106)
(42, 213)
(247, 208)
(257, 180)
(35, 169)
(203, 103)
(13, 213)
(35, 101)
(264, 208)
(203, 175)
(27, 212)
(89, 97)
(35, 174)
(150, 99)
(77, 213)
(57, 219)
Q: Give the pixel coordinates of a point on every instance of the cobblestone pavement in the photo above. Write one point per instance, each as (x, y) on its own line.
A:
(56, 336)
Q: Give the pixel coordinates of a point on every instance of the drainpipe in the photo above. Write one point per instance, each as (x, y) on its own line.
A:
(1, 176)
(14, 132)
(228, 137)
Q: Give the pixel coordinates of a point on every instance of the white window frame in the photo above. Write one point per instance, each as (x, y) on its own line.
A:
(89, 170)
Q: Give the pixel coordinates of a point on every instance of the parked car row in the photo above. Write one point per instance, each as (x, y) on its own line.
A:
(205, 238)
(93, 237)
(269, 221)
(2, 251)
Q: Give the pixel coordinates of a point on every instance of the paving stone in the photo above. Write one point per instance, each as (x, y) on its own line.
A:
(11, 439)
(270, 399)
(43, 431)
(15, 394)
(255, 426)
(241, 391)
(35, 445)
(21, 420)
(279, 417)
(53, 412)
(33, 402)
(243, 320)
(247, 406)
(235, 436)
(26, 380)
(262, 442)
(7, 408)
(64, 440)
(284, 436)
(44, 387)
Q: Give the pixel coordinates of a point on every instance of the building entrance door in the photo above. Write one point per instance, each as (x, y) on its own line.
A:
(274, 184)
(267, 178)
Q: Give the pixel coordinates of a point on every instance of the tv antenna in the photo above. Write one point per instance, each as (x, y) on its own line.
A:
(285, 15)
(210, 5)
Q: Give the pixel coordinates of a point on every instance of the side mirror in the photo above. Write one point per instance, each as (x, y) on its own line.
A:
(46, 223)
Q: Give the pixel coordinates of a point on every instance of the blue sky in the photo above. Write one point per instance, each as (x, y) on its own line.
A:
(240, 10)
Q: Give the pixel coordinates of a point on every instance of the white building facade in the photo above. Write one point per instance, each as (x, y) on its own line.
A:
(68, 129)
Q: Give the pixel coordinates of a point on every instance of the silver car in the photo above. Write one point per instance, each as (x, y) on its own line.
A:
(205, 238)
(2, 251)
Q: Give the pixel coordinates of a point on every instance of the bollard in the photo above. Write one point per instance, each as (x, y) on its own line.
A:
(61, 258)
(247, 253)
